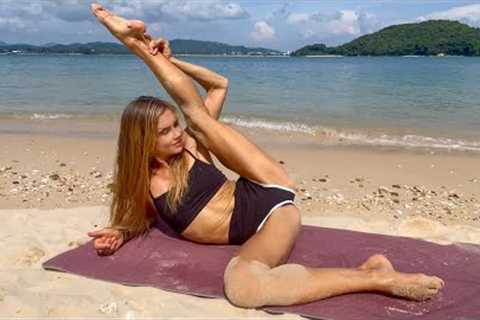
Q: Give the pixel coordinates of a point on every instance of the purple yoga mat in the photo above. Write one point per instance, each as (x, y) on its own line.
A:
(164, 261)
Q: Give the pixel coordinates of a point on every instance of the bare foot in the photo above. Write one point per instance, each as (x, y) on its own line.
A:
(413, 286)
(416, 286)
(127, 31)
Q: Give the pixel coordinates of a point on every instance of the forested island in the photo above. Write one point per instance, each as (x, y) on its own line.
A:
(179, 46)
(429, 38)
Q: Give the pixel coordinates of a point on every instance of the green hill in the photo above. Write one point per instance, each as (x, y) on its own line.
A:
(179, 46)
(432, 37)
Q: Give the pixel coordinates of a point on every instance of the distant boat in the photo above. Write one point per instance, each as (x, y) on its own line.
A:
(441, 55)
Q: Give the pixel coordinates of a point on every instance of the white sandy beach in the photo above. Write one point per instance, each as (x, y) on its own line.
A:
(53, 190)
(32, 236)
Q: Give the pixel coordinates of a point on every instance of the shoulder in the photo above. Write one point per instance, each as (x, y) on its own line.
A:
(197, 149)
(159, 184)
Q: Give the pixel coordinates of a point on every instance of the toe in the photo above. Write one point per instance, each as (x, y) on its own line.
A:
(96, 8)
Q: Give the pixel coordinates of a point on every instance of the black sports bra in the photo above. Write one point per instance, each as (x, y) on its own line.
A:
(204, 181)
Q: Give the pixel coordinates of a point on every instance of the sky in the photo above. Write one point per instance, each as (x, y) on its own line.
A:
(276, 24)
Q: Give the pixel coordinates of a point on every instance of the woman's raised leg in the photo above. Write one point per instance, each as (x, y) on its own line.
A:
(256, 276)
(233, 149)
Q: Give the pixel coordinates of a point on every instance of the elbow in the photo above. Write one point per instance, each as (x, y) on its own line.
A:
(224, 83)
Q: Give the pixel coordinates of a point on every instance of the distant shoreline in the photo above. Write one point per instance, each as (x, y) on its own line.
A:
(130, 54)
(239, 55)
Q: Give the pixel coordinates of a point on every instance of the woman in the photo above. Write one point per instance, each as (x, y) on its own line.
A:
(163, 169)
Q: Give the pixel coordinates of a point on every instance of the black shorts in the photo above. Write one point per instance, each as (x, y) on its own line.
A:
(254, 203)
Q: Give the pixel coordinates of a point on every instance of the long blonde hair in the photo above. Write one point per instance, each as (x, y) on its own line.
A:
(132, 208)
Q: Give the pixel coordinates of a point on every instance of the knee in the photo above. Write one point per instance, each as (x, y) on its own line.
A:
(242, 283)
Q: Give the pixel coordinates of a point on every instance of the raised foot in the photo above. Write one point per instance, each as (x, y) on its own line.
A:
(121, 28)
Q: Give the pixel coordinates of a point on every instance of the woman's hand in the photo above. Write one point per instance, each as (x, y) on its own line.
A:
(159, 45)
(107, 240)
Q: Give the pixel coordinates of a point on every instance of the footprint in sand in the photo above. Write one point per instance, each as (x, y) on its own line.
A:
(3, 293)
(30, 256)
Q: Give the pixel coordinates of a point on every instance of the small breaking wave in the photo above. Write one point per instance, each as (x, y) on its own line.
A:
(409, 141)
(270, 125)
(357, 137)
(49, 116)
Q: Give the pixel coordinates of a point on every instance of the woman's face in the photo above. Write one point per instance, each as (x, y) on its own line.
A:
(170, 135)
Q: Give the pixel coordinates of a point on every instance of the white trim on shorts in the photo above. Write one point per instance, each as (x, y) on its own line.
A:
(270, 185)
(271, 211)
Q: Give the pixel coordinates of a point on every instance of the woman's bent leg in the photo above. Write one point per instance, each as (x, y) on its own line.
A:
(254, 278)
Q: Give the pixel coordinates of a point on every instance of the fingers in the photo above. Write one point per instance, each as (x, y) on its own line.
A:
(107, 245)
(104, 252)
(106, 248)
(159, 45)
(98, 233)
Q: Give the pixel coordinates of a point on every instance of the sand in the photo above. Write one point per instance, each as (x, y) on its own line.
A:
(54, 189)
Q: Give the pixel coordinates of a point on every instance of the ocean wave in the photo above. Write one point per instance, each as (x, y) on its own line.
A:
(49, 116)
(412, 141)
(357, 137)
(270, 125)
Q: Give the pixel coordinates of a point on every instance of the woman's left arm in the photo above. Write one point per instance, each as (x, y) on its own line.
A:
(215, 85)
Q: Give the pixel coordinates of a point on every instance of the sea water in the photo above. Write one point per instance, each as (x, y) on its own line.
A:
(401, 101)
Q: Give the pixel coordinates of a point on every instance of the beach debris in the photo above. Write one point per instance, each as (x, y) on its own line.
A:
(31, 256)
(383, 189)
(108, 308)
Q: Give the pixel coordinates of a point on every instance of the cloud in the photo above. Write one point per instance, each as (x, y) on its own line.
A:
(79, 10)
(467, 14)
(343, 22)
(177, 10)
(263, 31)
(12, 24)
(278, 13)
(205, 10)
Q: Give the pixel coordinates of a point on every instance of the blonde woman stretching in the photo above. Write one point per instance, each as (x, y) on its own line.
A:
(165, 170)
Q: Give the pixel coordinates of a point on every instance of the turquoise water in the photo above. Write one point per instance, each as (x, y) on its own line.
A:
(389, 100)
